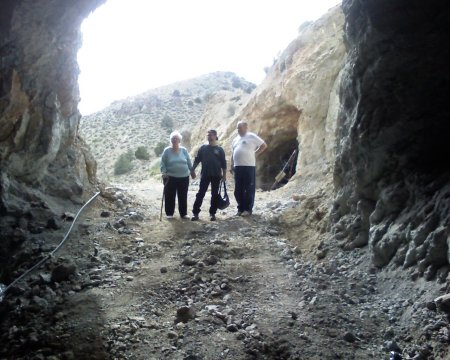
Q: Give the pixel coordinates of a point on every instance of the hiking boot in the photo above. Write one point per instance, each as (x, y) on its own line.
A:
(185, 217)
(239, 213)
(169, 217)
(246, 213)
(212, 217)
(195, 218)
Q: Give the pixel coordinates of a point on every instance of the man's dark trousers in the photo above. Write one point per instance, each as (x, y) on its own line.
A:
(176, 187)
(244, 187)
(204, 183)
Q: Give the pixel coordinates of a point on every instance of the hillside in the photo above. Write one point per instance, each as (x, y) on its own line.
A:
(147, 119)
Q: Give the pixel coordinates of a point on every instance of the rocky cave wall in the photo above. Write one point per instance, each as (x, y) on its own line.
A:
(41, 156)
(392, 164)
(298, 103)
(387, 148)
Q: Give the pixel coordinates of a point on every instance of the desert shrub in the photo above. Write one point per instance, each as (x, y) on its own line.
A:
(186, 134)
(198, 100)
(249, 89)
(159, 148)
(236, 82)
(154, 167)
(141, 153)
(207, 97)
(167, 122)
(124, 163)
(231, 110)
(190, 103)
(176, 93)
(130, 154)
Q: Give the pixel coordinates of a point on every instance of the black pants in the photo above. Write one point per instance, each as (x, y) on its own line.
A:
(244, 187)
(176, 187)
(204, 184)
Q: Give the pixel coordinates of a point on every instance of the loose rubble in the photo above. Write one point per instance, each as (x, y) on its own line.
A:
(131, 287)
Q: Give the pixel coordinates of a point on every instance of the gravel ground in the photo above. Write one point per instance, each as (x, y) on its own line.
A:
(128, 286)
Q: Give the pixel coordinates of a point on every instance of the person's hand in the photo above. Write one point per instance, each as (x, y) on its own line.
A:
(193, 175)
(165, 177)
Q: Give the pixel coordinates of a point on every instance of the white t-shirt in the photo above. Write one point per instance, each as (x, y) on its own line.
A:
(244, 149)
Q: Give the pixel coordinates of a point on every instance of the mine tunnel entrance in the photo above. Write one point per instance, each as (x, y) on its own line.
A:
(280, 161)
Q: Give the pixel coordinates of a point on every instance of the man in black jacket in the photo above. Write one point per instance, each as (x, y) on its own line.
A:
(214, 169)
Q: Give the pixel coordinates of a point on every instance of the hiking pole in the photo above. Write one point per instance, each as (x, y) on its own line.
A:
(165, 181)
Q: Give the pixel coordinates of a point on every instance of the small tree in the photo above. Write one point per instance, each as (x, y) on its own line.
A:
(159, 148)
(231, 110)
(123, 163)
(154, 167)
(141, 153)
(249, 89)
(167, 122)
(186, 138)
(130, 155)
(236, 82)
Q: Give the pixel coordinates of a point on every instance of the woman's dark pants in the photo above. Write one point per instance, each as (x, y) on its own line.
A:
(176, 187)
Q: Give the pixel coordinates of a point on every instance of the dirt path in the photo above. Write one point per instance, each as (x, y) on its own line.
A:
(235, 288)
(230, 289)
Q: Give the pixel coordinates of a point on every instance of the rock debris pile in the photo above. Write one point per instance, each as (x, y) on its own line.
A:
(138, 288)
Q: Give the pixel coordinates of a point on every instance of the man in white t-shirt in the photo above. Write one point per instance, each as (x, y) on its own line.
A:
(244, 149)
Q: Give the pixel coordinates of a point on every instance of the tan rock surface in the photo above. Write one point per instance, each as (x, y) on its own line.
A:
(298, 101)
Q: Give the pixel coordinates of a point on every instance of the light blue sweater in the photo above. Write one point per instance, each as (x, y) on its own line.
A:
(176, 164)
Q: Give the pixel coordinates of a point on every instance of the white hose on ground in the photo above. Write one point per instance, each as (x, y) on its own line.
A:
(4, 288)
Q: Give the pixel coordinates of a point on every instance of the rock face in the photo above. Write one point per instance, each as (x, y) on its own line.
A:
(383, 141)
(391, 172)
(297, 103)
(373, 117)
(40, 152)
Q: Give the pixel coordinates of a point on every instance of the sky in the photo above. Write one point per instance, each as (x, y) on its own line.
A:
(130, 46)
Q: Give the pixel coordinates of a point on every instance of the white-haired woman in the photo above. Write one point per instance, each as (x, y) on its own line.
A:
(175, 167)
